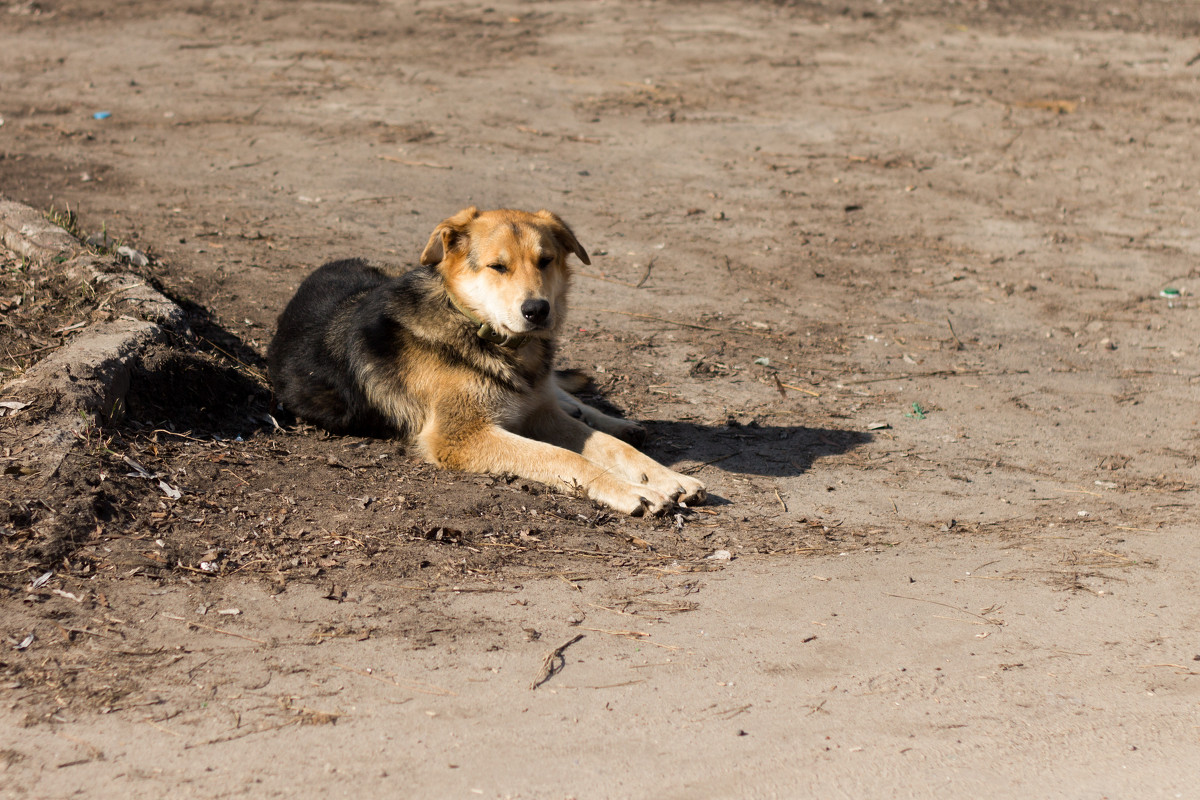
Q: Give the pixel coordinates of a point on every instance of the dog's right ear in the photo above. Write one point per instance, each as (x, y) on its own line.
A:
(564, 234)
(447, 235)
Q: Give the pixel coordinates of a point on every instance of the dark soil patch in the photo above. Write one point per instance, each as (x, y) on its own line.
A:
(40, 310)
(196, 481)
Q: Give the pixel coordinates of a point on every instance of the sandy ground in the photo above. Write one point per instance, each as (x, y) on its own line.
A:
(887, 276)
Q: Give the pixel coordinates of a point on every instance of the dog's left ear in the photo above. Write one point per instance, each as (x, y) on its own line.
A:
(564, 234)
(447, 235)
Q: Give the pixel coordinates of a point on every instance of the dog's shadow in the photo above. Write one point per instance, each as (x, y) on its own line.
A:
(752, 449)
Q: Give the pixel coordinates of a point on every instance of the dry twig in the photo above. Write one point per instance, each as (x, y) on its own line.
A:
(191, 624)
(646, 276)
(797, 388)
(554, 662)
(958, 345)
(640, 636)
(596, 277)
(988, 620)
(689, 324)
(423, 688)
(416, 163)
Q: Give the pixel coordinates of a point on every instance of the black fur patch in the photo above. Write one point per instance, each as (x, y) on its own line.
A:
(311, 357)
(348, 317)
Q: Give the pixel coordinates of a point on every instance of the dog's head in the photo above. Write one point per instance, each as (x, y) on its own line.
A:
(507, 267)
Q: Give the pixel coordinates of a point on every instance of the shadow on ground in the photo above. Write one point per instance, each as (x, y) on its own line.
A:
(776, 451)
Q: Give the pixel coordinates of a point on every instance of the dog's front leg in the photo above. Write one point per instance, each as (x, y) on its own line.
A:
(475, 445)
(552, 424)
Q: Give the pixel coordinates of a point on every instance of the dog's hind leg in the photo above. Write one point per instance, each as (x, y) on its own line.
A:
(574, 407)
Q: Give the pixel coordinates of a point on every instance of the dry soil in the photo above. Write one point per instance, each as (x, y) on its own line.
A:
(889, 276)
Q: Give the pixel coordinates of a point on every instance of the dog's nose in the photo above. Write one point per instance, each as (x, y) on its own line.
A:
(536, 311)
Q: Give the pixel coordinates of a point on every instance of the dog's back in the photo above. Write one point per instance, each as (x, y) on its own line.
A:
(310, 356)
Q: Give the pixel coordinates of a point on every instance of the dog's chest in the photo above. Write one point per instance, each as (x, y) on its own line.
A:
(511, 409)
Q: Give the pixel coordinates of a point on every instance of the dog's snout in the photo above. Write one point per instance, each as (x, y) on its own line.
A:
(536, 311)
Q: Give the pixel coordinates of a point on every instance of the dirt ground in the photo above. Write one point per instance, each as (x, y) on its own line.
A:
(890, 277)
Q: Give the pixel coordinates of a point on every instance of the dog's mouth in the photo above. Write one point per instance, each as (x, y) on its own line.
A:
(533, 319)
(526, 328)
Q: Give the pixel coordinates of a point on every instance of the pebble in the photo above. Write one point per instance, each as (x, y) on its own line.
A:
(135, 257)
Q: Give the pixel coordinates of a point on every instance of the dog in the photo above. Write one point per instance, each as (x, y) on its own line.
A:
(456, 358)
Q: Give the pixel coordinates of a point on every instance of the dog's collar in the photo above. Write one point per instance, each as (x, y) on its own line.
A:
(486, 331)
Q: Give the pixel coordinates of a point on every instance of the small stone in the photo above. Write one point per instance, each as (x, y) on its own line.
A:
(135, 257)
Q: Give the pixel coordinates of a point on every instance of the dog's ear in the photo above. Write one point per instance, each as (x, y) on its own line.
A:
(447, 235)
(564, 234)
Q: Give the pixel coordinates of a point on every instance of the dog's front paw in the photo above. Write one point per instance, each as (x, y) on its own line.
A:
(629, 498)
(682, 488)
(692, 490)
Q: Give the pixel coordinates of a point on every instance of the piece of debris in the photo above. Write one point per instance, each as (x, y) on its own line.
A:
(1053, 105)
(10, 407)
(135, 257)
(139, 470)
(554, 662)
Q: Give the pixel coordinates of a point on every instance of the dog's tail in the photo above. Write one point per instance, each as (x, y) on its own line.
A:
(572, 381)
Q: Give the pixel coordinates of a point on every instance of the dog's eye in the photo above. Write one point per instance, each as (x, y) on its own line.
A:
(545, 261)
(498, 267)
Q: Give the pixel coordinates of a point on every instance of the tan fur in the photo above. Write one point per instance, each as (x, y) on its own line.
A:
(481, 420)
